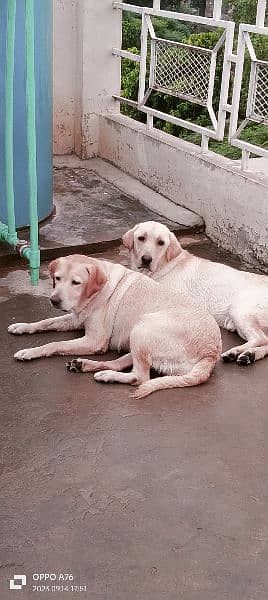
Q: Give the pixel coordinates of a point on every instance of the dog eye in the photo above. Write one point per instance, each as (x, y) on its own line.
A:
(161, 243)
(75, 282)
(57, 278)
(141, 238)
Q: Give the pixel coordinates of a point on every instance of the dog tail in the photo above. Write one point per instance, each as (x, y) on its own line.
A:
(200, 373)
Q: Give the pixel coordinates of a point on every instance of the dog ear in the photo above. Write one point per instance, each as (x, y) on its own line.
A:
(96, 279)
(174, 248)
(52, 267)
(128, 238)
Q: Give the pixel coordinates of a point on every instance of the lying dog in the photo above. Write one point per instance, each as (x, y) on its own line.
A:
(237, 300)
(124, 310)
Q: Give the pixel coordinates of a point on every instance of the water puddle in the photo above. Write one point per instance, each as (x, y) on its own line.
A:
(18, 282)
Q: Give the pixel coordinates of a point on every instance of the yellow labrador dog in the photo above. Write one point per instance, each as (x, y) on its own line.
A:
(120, 309)
(237, 300)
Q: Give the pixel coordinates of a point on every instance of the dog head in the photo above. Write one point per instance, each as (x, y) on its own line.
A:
(76, 279)
(151, 246)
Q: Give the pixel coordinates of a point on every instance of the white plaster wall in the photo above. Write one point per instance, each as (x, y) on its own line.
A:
(233, 204)
(64, 74)
(85, 72)
(99, 30)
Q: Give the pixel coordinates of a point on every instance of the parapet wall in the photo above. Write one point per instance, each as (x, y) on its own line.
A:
(233, 203)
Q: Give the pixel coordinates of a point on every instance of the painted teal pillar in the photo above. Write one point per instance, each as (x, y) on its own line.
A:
(43, 97)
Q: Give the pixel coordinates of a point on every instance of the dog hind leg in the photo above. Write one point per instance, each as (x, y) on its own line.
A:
(249, 356)
(141, 363)
(254, 348)
(84, 365)
(139, 373)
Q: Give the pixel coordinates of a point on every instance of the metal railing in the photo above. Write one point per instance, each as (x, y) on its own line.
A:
(257, 101)
(8, 231)
(188, 72)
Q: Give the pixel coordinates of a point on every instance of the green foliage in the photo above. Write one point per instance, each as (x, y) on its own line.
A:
(207, 39)
(244, 11)
(164, 28)
(225, 149)
(174, 31)
(130, 85)
(131, 30)
(130, 76)
(256, 134)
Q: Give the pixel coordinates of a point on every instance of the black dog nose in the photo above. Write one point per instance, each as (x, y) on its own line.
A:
(55, 302)
(146, 260)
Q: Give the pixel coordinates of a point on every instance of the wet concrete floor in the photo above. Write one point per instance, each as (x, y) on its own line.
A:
(91, 214)
(158, 499)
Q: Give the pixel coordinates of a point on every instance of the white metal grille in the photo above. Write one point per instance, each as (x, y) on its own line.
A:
(257, 103)
(181, 70)
(188, 72)
(260, 98)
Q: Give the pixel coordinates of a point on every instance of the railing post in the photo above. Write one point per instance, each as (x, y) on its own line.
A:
(237, 84)
(144, 38)
(217, 8)
(260, 17)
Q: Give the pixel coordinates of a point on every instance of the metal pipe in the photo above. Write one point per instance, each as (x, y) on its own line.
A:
(32, 252)
(3, 232)
(9, 233)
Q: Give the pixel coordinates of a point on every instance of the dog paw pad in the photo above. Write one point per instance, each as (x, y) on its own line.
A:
(75, 365)
(247, 358)
(229, 357)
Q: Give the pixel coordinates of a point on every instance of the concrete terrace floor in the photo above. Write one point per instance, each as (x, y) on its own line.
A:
(94, 204)
(158, 499)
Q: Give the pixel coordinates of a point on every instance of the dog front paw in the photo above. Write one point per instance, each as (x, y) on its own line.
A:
(75, 365)
(19, 328)
(27, 354)
(105, 376)
(229, 356)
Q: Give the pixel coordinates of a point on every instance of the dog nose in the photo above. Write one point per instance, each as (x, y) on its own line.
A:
(146, 260)
(55, 302)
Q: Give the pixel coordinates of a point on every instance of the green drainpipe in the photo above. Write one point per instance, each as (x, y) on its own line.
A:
(8, 232)
(31, 252)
